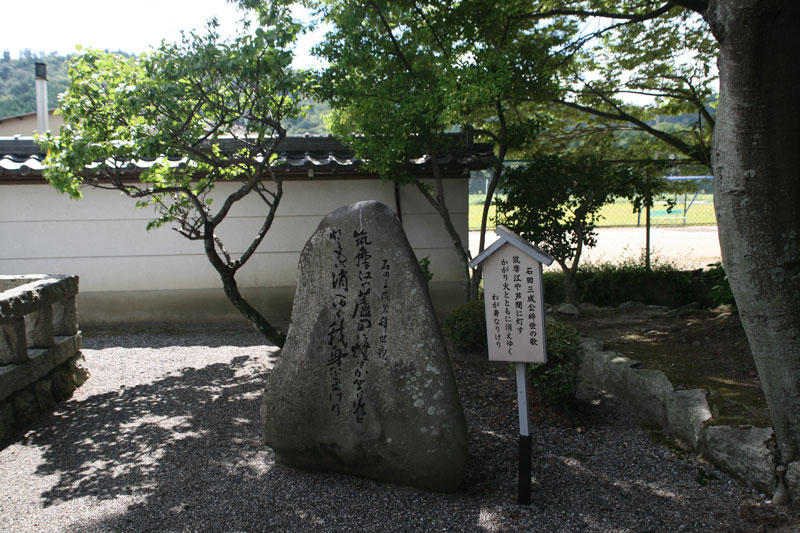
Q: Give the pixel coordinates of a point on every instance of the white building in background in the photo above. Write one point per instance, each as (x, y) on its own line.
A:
(25, 124)
(127, 273)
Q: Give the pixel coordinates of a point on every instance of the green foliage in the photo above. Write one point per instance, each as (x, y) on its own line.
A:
(553, 201)
(425, 266)
(557, 380)
(466, 327)
(177, 102)
(17, 86)
(311, 120)
(401, 76)
(720, 292)
(202, 111)
(667, 59)
(662, 284)
(553, 287)
(610, 284)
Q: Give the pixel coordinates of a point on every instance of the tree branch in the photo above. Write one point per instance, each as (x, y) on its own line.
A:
(221, 247)
(263, 230)
(435, 35)
(622, 116)
(630, 17)
(388, 28)
(249, 185)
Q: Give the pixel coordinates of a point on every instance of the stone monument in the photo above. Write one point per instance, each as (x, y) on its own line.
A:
(364, 384)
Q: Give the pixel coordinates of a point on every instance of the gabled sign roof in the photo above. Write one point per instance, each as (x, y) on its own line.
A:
(509, 237)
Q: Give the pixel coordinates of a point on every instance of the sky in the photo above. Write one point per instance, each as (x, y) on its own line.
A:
(129, 26)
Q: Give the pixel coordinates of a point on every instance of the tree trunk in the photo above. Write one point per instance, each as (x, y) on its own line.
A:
(756, 160)
(248, 311)
(438, 203)
(487, 203)
(228, 276)
(571, 287)
(501, 141)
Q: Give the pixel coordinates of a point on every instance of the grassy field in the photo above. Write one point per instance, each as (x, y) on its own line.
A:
(621, 213)
(475, 212)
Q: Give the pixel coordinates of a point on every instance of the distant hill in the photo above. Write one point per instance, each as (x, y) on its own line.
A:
(312, 122)
(17, 86)
(687, 119)
(18, 90)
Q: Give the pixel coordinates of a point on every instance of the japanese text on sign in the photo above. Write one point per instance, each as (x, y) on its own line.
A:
(514, 314)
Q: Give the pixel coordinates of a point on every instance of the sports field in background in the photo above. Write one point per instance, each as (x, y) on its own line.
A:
(620, 213)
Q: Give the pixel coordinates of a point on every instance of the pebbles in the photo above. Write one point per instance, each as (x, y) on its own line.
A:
(165, 436)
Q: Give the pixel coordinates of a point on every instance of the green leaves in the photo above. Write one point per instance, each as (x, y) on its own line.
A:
(554, 201)
(167, 111)
(402, 73)
(665, 63)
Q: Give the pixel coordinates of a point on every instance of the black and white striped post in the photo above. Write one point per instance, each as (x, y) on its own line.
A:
(514, 304)
(524, 491)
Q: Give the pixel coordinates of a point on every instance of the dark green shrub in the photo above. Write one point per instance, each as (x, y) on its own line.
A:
(553, 285)
(425, 267)
(555, 201)
(610, 285)
(557, 380)
(719, 291)
(466, 327)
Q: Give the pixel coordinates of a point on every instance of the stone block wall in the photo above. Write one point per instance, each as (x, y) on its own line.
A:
(749, 453)
(40, 359)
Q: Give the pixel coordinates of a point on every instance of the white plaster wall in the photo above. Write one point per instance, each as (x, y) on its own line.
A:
(128, 271)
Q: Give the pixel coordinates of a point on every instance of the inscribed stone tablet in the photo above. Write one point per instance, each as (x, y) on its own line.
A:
(364, 384)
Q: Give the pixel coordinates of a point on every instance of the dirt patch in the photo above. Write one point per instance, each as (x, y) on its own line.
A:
(695, 348)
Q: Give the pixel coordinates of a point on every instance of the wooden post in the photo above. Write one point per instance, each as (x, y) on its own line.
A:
(684, 209)
(515, 326)
(524, 491)
(647, 237)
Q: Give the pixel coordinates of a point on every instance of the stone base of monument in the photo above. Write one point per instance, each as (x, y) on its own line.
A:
(364, 384)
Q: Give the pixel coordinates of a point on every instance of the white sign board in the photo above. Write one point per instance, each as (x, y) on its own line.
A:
(513, 294)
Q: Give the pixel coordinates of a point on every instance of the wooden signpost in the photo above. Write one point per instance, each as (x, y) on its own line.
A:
(514, 300)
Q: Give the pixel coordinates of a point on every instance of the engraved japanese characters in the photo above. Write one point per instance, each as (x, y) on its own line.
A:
(364, 383)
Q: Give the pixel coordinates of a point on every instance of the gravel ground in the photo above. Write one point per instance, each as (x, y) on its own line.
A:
(165, 436)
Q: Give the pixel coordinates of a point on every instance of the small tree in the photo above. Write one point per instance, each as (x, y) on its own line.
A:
(402, 74)
(205, 111)
(554, 202)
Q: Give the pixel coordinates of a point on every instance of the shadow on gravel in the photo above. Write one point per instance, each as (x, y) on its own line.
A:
(187, 450)
(185, 453)
(137, 439)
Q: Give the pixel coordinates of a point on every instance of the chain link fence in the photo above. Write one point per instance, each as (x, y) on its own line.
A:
(680, 228)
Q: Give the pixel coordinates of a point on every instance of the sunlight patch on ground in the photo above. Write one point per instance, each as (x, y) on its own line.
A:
(633, 337)
(489, 520)
(724, 381)
(573, 464)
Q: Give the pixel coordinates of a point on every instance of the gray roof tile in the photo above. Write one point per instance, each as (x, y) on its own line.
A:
(22, 157)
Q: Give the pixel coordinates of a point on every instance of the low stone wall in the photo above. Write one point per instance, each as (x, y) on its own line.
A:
(40, 359)
(748, 453)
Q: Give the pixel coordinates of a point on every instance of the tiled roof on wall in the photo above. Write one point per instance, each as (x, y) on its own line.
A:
(21, 157)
